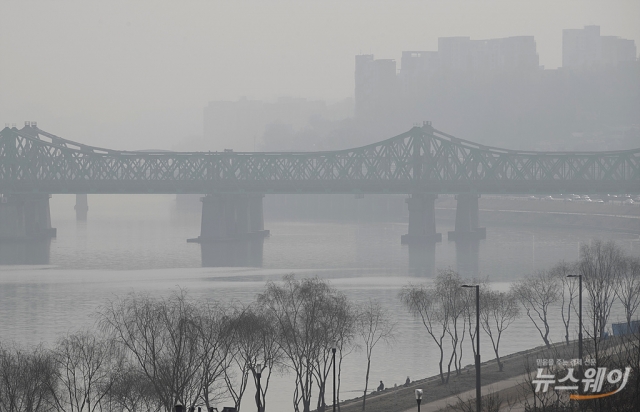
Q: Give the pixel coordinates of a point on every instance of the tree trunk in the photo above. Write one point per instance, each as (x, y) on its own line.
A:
(366, 384)
(322, 404)
(440, 364)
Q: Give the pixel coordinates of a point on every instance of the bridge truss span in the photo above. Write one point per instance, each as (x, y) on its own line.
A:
(422, 160)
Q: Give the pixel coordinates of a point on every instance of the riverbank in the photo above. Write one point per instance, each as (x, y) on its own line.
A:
(401, 398)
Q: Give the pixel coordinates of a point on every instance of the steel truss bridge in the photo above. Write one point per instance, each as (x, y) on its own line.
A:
(422, 160)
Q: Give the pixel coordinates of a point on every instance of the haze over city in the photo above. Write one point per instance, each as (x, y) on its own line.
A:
(138, 75)
(214, 204)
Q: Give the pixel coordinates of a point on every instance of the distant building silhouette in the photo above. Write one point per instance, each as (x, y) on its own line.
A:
(495, 92)
(376, 85)
(587, 49)
(238, 125)
(493, 55)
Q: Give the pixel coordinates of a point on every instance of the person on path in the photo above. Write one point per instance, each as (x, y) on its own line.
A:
(381, 386)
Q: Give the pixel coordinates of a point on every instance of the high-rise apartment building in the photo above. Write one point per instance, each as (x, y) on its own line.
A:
(376, 84)
(493, 55)
(586, 48)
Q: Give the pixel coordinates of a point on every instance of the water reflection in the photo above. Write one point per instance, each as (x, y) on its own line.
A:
(468, 257)
(422, 259)
(233, 253)
(25, 253)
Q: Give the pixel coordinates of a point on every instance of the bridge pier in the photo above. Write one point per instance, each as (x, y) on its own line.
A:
(422, 220)
(231, 217)
(25, 217)
(81, 207)
(467, 219)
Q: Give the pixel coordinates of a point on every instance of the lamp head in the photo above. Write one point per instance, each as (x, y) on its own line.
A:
(258, 368)
(418, 394)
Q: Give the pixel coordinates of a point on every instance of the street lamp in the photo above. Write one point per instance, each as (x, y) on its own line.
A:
(179, 407)
(419, 397)
(258, 389)
(333, 361)
(478, 391)
(579, 317)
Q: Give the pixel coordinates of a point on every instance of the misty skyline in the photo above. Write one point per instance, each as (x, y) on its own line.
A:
(138, 75)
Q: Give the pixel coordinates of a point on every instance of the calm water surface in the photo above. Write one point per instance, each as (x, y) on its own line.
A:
(137, 243)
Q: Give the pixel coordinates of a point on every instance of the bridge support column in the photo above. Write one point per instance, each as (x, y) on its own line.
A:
(81, 207)
(25, 217)
(231, 217)
(422, 220)
(467, 219)
(256, 215)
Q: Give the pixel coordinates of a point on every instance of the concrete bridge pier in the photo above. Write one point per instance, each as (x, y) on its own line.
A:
(228, 216)
(81, 207)
(467, 219)
(256, 215)
(25, 217)
(422, 220)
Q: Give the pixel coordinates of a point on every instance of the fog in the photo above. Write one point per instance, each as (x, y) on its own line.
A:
(80, 226)
(138, 75)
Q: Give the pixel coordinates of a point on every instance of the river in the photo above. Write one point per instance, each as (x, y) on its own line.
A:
(138, 243)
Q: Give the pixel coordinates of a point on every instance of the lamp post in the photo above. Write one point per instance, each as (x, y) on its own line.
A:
(419, 397)
(258, 388)
(478, 390)
(179, 407)
(579, 317)
(333, 361)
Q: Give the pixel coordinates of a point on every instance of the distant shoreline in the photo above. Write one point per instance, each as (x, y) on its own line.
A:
(546, 213)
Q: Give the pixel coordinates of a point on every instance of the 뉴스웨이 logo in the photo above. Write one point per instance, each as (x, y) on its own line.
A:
(592, 381)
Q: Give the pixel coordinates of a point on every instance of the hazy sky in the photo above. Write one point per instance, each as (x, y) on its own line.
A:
(137, 74)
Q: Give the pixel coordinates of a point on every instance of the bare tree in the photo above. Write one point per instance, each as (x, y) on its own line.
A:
(628, 287)
(131, 391)
(333, 326)
(254, 343)
(373, 325)
(213, 352)
(86, 366)
(454, 302)
(27, 381)
(301, 309)
(440, 308)
(422, 301)
(470, 319)
(345, 341)
(498, 311)
(172, 341)
(537, 293)
(569, 292)
(601, 265)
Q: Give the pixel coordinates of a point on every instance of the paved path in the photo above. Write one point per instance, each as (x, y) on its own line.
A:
(509, 387)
